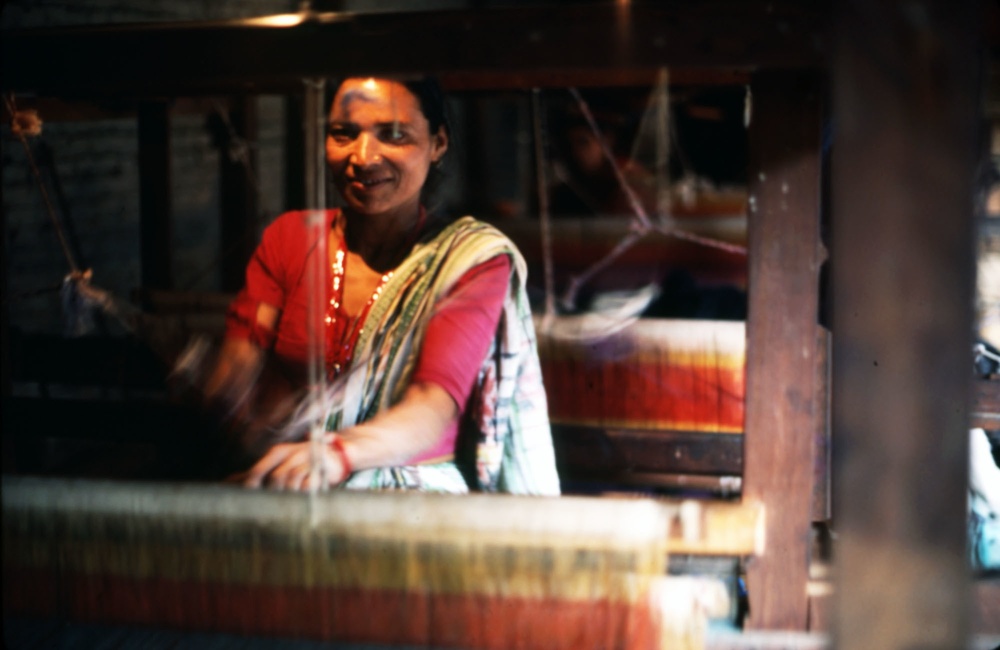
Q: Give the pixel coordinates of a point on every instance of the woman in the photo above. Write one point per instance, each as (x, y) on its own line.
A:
(427, 323)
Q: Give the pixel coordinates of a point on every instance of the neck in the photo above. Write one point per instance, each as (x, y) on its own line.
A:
(382, 241)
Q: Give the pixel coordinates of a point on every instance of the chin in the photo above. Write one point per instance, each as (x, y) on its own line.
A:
(354, 204)
(367, 208)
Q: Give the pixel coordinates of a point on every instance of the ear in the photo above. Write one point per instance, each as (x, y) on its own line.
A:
(439, 144)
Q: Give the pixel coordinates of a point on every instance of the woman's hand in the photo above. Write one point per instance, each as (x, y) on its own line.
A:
(390, 439)
(288, 466)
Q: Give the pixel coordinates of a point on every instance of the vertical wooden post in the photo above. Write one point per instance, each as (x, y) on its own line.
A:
(238, 181)
(156, 241)
(8, 461)
(782, 361)
(906, 100)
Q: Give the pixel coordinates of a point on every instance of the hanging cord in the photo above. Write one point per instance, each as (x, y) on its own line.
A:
(656, 123)
(667, 141)
(637, 208)
(672, 231)
(79, 298)
(314, 124)
(641, 223)
(19, 129)
(576, 283)
(316, 278)
(238, 148)
(669, 225)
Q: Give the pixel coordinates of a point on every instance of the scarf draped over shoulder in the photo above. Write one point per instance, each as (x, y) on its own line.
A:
(505, 429)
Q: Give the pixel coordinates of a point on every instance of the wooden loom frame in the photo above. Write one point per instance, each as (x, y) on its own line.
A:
(780, 50)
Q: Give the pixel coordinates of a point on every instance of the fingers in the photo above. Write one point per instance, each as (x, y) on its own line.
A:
(293, 474)
(288, 466)
(272, 460)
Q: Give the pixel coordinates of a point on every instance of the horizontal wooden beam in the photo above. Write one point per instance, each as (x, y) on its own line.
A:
(643, 77)
(595, 452)
(716, 528)
(60, 109)
(547, 41)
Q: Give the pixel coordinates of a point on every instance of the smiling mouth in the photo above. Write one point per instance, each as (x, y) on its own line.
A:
(368, 183)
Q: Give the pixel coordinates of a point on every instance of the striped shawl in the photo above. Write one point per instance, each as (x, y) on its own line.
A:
(505, 442)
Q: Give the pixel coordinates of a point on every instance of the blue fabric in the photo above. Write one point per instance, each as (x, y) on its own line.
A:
(984, 541)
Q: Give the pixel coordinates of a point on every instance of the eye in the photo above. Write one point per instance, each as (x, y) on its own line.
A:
(393, 133)
(341, 133)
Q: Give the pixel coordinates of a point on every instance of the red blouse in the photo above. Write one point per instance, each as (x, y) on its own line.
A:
(458, 333)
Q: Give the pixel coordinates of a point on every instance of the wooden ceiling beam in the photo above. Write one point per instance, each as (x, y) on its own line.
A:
(552, 43)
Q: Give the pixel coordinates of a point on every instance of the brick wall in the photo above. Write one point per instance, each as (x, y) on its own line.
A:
(91, 175)
(90, 171)
(95, 163)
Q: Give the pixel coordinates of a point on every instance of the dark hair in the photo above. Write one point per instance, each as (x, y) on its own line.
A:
(434, 106)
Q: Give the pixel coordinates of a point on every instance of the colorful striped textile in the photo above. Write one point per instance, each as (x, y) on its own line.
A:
(684, 375)
(492, 572)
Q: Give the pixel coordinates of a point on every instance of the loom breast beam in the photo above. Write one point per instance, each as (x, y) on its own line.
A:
(477, 571)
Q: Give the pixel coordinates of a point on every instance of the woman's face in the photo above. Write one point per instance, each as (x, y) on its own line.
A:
(379, 146)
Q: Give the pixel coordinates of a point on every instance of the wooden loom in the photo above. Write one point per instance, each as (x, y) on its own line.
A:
(425, 570)
(639, 39)
(772, 46)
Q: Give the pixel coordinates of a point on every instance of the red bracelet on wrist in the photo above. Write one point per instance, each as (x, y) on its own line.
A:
(338, 447)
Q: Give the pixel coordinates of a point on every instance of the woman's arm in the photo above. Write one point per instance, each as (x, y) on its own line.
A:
(457, 339)
(389, 439)
(253, 401)
(239, 364)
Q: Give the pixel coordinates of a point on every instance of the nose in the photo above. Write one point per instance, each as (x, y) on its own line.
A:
(366, 150)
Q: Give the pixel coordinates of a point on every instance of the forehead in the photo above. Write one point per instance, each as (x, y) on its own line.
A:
(376, 100)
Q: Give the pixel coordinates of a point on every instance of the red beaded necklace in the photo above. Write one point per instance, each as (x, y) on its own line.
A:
(342, 331)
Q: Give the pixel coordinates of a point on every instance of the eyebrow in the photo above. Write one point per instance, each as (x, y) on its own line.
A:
(400, 124)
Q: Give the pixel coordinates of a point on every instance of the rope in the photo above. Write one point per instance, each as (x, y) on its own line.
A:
(642, 224)
(57, 225)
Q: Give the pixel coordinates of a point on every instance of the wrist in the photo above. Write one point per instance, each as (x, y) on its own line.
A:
(340, 451)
